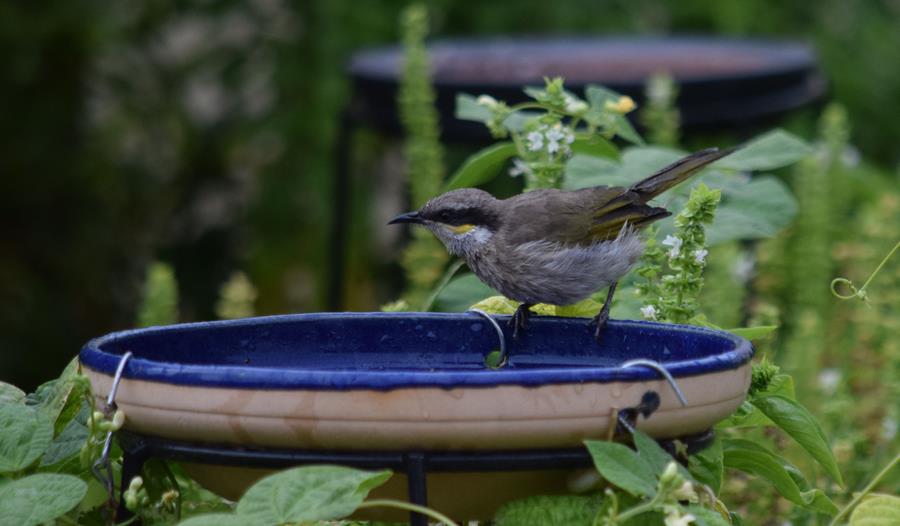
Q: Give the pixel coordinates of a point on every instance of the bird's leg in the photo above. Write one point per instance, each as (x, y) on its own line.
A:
(519, 320)
(599, 321)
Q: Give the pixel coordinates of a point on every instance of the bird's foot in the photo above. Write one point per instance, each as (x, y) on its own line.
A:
(598, 323)
(519, 320)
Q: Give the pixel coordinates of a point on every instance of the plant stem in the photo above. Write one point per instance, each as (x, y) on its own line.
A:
(640, 508)
(861, 291)
(878, 268)
(859, 496)
(451, 271)
(529, 106)
(390, 503)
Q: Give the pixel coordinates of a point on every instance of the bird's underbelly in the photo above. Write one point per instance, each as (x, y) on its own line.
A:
(545, 272)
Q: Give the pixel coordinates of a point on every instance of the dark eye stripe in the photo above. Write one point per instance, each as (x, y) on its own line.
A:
(462, 216)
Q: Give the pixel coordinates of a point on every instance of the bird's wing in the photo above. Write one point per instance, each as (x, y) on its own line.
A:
(580, 217)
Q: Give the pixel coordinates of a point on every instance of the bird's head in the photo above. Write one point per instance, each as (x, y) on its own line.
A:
(464, 220)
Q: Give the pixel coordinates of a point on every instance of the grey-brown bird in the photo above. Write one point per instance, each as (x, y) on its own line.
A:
(553, 246)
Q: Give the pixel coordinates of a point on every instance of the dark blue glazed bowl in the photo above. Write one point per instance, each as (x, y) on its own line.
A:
(384, 351)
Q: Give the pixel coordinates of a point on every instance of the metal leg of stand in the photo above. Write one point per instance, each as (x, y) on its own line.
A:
(132, 463)
(416, 475)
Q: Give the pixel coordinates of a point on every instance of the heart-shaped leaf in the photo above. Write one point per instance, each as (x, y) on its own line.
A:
(622, 467)
(752, 458)
(39, 498)
(877, 510)
(308, 493)
(25, 435)
(771, 150)
(800, 425)
(482, 166)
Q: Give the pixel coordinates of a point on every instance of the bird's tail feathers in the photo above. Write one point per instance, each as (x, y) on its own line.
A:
(678, 172)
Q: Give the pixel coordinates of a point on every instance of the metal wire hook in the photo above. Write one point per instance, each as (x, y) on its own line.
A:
(661, 370)
(102, 468)
(492, 321)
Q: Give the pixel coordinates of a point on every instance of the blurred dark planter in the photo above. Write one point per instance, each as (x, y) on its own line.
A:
(724, 83)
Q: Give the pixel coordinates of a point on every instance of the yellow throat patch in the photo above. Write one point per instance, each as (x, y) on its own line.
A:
(462, 229)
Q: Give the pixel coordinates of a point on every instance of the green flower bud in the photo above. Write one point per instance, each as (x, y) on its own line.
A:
(117, 421)
(135, 484)
(670, 474)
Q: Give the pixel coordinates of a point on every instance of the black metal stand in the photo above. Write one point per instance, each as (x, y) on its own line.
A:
(137, 449)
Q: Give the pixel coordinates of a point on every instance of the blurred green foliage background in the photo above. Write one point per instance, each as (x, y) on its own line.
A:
(200, 133)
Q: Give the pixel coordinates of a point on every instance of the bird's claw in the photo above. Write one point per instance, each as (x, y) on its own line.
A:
(519, 320)
(598, 323)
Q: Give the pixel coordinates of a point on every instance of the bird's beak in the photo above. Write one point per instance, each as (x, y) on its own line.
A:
(409, 217)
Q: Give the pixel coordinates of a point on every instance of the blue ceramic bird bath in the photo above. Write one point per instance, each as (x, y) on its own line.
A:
(411, 381)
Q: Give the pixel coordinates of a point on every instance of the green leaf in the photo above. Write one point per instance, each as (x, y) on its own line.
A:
(25, 435)
(625, 130)
(877, 510)
(586, 308)
(308, 493)
(462, 292)
(800, 425)
(758, 209)
(51, 397)
(468, 109)
(748, 415)
(752, 458)
(69, 442)
(215, 519)
(771, 150)
(39, 498)
(706, 517)
(622, 467)
(754, 333)
(10, 394)
(707, 466)
(596, 147)
(544, 510)
(598, 96)
(585, 171)
(655, 456)
(482, 166)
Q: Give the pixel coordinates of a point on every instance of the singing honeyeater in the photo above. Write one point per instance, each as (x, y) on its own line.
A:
(553, 246)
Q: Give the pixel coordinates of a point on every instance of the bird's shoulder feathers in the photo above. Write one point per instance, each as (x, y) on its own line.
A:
(579, 217)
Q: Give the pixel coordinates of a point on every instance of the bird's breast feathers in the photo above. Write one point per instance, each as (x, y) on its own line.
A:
(557, 273)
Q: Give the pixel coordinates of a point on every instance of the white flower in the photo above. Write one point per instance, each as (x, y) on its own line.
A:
(888, 428)
(700, 255)
(519, 167)
(535, 141)
(554, 135)
(486, 101)
(675, 518)
(829, 380)
(675, 243)
(685, 492)
(574, 105)
(648, 312)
